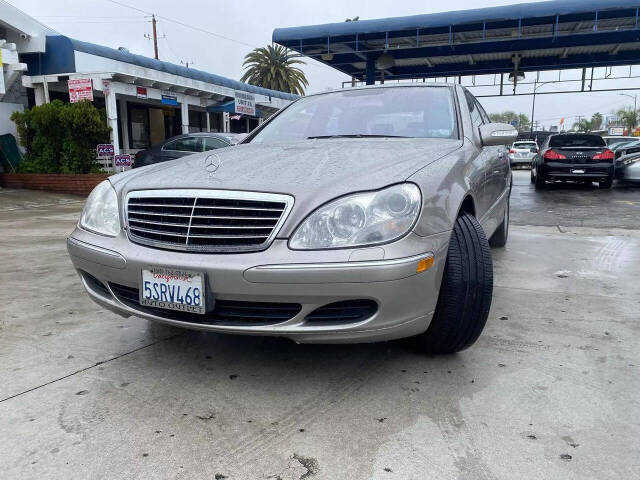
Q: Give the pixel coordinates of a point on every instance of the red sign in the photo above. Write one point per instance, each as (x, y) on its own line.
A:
(105, 150)
(80, 89)
(122, 160)
(141, 92)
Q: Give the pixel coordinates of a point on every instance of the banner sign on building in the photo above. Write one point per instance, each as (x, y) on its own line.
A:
(245, 103)
(122, 160)
(105, 150)
(169, 98)
(616, 131)
(80, 89)
(141, 92)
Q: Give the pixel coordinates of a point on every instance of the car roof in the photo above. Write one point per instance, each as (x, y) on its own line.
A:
(203, 134)
(389, 85)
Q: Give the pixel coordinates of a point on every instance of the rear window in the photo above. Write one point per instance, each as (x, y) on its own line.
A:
(578, 141)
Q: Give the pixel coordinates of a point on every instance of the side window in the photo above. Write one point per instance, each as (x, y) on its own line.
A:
(186, 144)
(211, 143)
(483, 114)
(476, 117)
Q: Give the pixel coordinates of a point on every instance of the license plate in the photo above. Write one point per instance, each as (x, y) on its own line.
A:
(577, 170)
(173, 289)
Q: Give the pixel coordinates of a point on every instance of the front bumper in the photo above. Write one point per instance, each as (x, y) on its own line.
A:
(570, 171)
(387, 275)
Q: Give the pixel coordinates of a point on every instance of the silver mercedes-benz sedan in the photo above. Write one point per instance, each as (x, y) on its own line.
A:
(350, 216)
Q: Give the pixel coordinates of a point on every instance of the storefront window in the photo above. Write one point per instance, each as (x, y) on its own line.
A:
(139, 119)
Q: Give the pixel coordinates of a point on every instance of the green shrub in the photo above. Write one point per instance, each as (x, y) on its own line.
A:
(61, 137)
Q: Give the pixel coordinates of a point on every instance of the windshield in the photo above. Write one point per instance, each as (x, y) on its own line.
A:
(416, 112)
(576, 141)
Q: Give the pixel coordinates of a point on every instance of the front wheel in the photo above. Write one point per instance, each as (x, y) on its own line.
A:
(466, 291)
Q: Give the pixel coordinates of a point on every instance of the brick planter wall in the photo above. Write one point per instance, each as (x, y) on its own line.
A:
(53, 182)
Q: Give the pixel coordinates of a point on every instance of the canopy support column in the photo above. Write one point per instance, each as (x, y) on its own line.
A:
(226, 124)
(125, 124)
(112, 118)
(184, 113)
(371, 69)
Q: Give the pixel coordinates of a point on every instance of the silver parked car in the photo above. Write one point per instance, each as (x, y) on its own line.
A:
(522, 153)
(350, 216)
(628, 167)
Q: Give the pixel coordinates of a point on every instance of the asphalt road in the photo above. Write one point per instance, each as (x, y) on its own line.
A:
(550, 391)
(575, 205)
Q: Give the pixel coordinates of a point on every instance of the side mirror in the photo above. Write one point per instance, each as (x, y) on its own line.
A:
(493, 134)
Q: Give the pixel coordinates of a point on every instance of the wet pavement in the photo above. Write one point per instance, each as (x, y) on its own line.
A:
(550, 391)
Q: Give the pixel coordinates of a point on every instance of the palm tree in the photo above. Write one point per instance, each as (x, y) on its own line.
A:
(596, 121)
(586, 125)
(628, 117)
(271, 67)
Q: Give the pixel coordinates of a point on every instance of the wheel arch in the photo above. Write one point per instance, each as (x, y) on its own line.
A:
(468, 205)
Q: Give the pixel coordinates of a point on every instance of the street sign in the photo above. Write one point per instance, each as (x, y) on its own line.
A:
(105, 150)
(245, 103)
(122, 160)
(80, 89)
(514, 123)
(169, 98)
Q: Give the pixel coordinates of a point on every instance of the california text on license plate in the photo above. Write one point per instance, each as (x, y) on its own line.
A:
(173, 289)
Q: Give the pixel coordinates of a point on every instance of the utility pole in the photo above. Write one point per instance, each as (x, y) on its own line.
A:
(155, 36)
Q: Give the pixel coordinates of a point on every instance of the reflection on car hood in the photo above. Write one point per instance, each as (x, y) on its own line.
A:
(314, 169)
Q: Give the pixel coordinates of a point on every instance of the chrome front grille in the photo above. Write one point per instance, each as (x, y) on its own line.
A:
(205, 220)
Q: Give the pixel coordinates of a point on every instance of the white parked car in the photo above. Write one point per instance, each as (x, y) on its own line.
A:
(521, 153)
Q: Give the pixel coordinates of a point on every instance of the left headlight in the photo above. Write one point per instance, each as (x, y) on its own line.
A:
(100, 212)
(361, 219)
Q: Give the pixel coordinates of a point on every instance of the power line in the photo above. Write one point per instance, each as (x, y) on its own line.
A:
(96, 21)
(131, 7)
(208, 32)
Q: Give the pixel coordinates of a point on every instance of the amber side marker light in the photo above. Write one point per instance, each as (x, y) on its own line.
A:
(424, 264)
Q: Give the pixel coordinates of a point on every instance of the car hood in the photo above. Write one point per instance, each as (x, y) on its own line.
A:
(300, 168)
(313, 171)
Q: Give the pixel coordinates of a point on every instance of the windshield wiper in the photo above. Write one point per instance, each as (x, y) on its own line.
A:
(355, 135)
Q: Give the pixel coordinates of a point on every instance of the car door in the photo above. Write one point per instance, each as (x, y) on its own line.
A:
(499, 168)
(480, 164)
(180, 147)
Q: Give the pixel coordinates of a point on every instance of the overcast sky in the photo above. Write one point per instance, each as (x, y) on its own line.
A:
(250, 23)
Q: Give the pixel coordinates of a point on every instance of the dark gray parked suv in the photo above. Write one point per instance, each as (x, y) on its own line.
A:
(183, 145)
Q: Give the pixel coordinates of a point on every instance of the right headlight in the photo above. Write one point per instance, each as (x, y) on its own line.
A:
(100, 213)
(361, 219)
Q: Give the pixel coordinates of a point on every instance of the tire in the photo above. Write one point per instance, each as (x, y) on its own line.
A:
(501, 235)
(466, 291)
(533, 180)
(606, 183)
(540, 182)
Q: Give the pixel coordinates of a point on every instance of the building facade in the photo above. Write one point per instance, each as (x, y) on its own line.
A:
(146, 100)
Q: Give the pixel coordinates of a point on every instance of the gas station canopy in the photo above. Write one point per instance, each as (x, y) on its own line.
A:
(552, 35)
